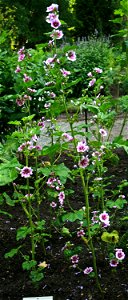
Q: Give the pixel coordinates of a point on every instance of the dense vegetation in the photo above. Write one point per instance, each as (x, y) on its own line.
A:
(24, 21)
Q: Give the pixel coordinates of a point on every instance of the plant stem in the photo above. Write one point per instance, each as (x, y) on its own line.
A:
(85, 189)
(31, 222)
(30, 216)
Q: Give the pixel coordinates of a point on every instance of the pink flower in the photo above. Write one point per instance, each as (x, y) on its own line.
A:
(21, 50)
(67, 137)
(52, 7)
(57, 34)
(35, 138)
(75, 259)
(27, 97)
(38, 147)
(27, 78)
(23, 146)
(49, 83)
(122, 196)
(89, 74)
(18, 69)
(52, 95)
(95, 218)
(21, 57)
(53, 204)
(20, 101)
(84, 162)
(50, 17)
(92, 82)
(31, 90)
(47, 105)
(26, 172)
(88, 270)
(55, 23)
(41, 124)
(82, 147)
(120, 255)
(98, 70)
(104, 218)
(50, 60)
(28, 195)
(61, 197)
(103, 132)
(51, 181)
(114, 262)
(80, 233)
(71, 55)
(64, 72)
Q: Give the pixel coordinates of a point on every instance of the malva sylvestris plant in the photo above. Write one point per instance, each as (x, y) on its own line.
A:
(43, 179)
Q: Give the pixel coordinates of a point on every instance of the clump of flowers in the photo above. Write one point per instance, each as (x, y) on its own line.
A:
(119, 256)
(82, 146)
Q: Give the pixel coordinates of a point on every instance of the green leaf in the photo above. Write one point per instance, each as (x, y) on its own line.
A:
(12, 252)
(112, 237)
(22, 232)
(45, 171)
(65, 231)
(8, 171)
(36, 276)
(27, 119)
(62, 171)
(120, 203)
(40, 225)
(51, 150)
(18, 123)
(94, 109)
(28, 265)
(9, 201)
(73, 216)
(74, 82)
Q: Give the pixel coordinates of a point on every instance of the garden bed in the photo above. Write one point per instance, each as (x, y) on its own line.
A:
(61, 280)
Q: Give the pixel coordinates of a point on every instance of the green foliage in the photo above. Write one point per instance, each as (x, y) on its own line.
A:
(94, 16)
(8, 172)
(12, 252)
(73, 216)
(112, 237)
(22, 232)
(91, 53)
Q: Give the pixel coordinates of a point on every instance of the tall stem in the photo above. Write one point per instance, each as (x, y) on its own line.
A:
(31, 221)
(30, 216)
(85, 189)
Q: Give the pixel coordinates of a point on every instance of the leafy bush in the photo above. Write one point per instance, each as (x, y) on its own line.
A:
(91, 53)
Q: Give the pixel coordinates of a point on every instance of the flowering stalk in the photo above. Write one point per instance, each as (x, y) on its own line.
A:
(101, 196)
(38, 202)
(85, 190)
(30, 216)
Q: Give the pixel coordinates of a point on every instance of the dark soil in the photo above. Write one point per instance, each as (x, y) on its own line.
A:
(61, 280)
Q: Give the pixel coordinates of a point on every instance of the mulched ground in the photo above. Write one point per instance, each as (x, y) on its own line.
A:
(61, 280)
